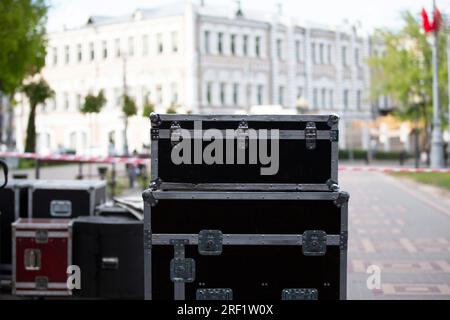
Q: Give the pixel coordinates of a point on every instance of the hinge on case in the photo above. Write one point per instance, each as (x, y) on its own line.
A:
(154, 134)
(175, 133)
(214, 294)
(299, 294)
(147, 239)
(334, 135)
(314, 243)
(311, 135)
(242, 135)
(210, 242)
(343, 240)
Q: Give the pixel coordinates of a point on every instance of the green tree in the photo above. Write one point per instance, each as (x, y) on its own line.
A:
(129, 109)
(405, 73)
(148, 108)
(93, 103)
(22, 44)
(37, 92)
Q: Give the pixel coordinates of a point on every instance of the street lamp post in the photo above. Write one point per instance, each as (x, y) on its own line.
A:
(437, 150)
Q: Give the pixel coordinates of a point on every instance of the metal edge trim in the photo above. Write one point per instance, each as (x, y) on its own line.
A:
(248, 118)
(199, 195)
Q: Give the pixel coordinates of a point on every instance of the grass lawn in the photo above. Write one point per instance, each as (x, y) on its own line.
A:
(441, 180)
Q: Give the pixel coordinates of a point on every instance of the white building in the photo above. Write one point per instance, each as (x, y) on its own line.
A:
(201, 60)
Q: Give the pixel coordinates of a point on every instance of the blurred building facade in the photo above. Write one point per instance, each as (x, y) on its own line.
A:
(200, 59)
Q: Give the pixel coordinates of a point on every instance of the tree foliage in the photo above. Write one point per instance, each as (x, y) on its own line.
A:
(129, 108)
(405, 70)
(148, 108)
(22, 41)
(37, 92)
(93, 103)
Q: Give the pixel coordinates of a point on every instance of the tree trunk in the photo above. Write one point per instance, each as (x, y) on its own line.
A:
(10, 143)
(30, 143)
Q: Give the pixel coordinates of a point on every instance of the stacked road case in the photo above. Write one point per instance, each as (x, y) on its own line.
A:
(223, 230)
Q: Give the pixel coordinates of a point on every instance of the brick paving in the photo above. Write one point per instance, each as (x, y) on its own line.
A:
(404, 229)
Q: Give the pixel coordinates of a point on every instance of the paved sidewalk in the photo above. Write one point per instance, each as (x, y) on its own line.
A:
(404, 229)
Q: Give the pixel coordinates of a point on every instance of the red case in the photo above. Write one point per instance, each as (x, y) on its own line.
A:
(42, 251)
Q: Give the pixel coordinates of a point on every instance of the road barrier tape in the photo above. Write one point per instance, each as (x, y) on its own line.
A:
(74, 158)
(136, 161)
(392, 169)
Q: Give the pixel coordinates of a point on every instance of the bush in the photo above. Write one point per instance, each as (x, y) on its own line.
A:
(359, 154)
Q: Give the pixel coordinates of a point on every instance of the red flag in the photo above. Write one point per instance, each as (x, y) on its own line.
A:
(427, 27)
(437, 20)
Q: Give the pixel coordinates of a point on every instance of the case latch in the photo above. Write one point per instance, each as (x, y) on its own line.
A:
(175, 133)
(210, 242)
(299, 294)
(182, 270)
(214, 294)
(314, 243)
(242, 135)
(41, 236)
(311, 135)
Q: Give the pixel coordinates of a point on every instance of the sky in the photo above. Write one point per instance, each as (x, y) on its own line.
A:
(371, 13)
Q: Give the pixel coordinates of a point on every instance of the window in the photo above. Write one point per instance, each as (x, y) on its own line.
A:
(258, 46)
(209, 93)
(220, 43)
(331, 98)
(222, 93)
(313, 53)
(130, 46)
(174, 41)
(174, 89)
(281, 95)
(357, 57)
(105, 49)
(159, 97)
(245, 45)
(117, 47)
(344, 56)
(145, 45)
(118, 97)
(55, 56)
(345, 97)
(299, 92)
(78, 101)
(207, 50)
(66, 101)
(233, 44)
(315, 99)
(79, 53)
(358, 100)
(297, 50)
(260, 94)
(330, 53)
(73, 140)
(159, 43)
(280, 49)
(91, 51)
(324, 98)
(235, 94)
(66, 54)
(321, 54)
(249, 94)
